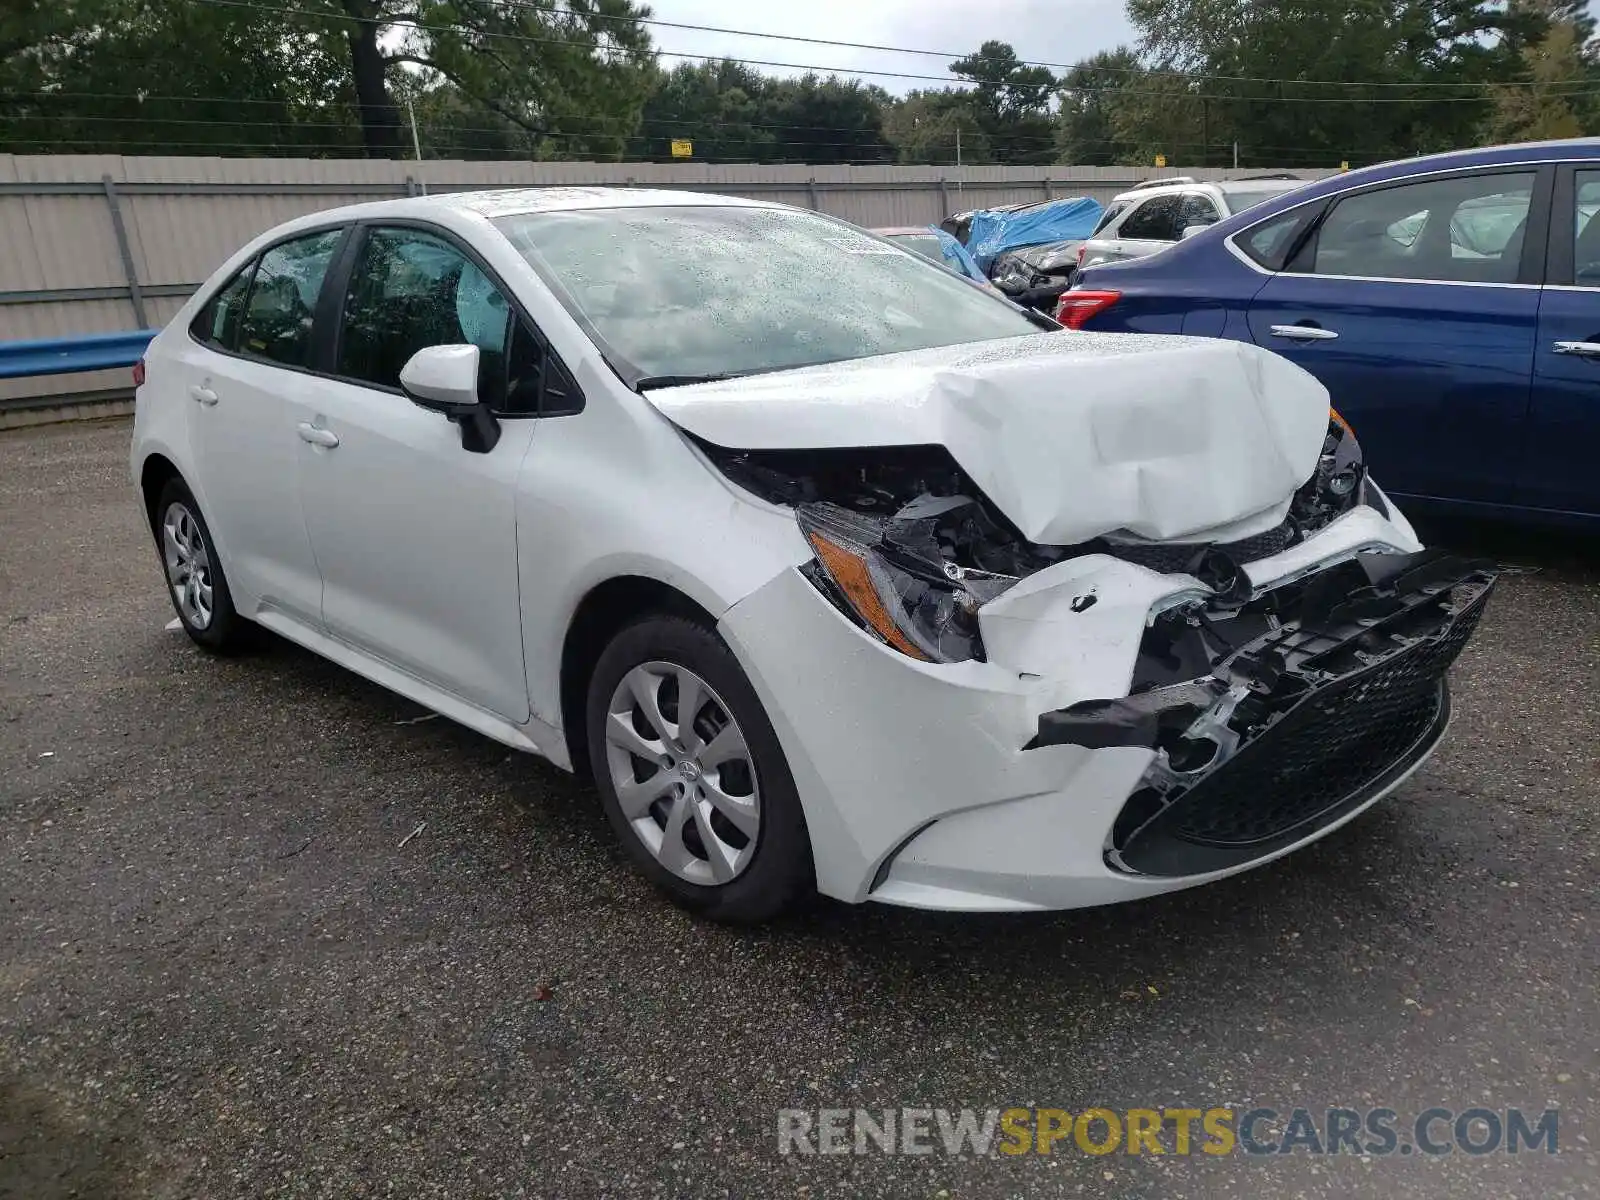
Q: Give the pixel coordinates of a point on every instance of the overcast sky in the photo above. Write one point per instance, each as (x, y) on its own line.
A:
(1061, 31)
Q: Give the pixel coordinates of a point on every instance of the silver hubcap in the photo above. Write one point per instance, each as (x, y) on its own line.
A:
(188, 564)
(682, 773)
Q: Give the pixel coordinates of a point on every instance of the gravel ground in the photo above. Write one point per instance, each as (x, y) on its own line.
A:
(222, 975)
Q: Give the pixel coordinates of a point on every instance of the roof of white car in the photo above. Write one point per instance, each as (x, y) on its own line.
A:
(505, 202)
(1224, 186)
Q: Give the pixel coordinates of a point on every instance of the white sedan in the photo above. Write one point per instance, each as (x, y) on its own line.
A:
(835, 573)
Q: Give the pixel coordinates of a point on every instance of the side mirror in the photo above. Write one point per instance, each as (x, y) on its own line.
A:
(1190, 230)
(444, 379)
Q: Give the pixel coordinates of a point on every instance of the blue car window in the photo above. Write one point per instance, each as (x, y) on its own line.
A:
(1268, 243)
(1466, 229)
(1586, 230)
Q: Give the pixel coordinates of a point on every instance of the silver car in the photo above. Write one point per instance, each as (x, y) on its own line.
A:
(1156, 214)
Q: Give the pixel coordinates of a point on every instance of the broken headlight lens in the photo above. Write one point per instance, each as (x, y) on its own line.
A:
(1340, 481)
(889, 577)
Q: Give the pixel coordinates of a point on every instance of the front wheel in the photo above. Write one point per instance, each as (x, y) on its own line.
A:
(691, 774)
(195, 579)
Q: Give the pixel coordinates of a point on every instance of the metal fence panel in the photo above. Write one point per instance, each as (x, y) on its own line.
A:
(66, 269)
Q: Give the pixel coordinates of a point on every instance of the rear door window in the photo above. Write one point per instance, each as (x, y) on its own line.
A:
(283, 297)
(1455, 229)
(1153, 221)
(1197, 209)
(1586, 229)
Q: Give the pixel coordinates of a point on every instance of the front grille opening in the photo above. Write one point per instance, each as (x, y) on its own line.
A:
(1311, 755)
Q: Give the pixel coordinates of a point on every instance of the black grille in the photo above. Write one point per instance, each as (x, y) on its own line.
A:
(1181, 556)
(1320, 759)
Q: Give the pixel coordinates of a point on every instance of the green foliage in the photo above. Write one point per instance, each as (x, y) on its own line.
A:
(924, 128)
(1092, 95)
(733, 113)
(87, 76)
(1547, 99)
(1422, 71)
(535, 78)
(1011, 103)
(1291, 82)
(574, 73)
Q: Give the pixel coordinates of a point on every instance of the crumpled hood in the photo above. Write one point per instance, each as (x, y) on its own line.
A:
(1071, 435)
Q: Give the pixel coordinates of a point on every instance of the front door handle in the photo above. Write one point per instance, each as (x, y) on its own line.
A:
(202, 394)
(1582, 349)
(1303, 333)
(317, 435)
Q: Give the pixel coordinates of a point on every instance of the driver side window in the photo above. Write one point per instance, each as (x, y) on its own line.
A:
(410, 290)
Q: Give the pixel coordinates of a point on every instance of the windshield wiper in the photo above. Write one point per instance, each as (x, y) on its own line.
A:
(666, 381)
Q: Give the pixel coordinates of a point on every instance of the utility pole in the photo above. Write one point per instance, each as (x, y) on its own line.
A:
(416, 142)
(1235, 155)
(959, 188)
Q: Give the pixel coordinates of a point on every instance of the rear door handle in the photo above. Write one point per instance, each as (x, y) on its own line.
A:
(317, 435)
(1582, 349)
(204, 395)
(1303, 333)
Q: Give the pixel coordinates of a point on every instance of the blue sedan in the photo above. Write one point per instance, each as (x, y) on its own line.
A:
(1451, 305)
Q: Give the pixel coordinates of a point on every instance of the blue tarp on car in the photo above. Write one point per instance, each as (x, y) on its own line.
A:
(956, 256)
(1062, 220)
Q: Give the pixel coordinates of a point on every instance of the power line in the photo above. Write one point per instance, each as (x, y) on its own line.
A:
(685, 121)
(451, 127)
(529, 39)
(1024, 62)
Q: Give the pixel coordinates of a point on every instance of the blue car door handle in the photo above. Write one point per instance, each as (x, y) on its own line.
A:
(1582, 349)
(1303, 333)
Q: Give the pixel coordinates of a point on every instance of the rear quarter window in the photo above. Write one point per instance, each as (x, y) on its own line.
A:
(1268, 244)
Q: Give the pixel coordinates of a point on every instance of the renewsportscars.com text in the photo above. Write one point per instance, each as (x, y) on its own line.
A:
(967, 1132)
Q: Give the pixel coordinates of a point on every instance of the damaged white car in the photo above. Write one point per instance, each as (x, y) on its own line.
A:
(836, 573)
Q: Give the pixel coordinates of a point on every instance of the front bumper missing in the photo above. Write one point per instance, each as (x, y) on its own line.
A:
(1297, 727)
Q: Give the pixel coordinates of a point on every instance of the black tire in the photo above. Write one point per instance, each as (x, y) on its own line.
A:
(779, 874)
(224, 631)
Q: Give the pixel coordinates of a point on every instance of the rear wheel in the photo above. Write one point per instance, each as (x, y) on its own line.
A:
(195, 579)
(691, 774)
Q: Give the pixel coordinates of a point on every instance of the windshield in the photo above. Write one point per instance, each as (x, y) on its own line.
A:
(696, 291)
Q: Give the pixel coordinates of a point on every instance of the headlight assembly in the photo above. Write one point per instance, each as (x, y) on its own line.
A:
(1340, 481)
(888, 576)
